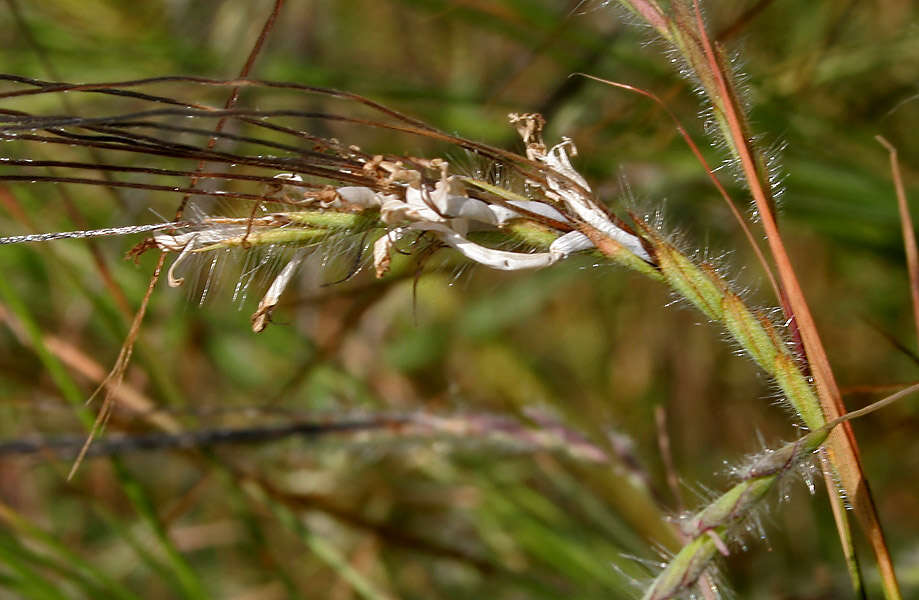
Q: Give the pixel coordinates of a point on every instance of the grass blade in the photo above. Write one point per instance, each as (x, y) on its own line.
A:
(906, 223)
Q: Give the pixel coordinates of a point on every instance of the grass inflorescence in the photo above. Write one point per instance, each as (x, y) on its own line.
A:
(305, 181)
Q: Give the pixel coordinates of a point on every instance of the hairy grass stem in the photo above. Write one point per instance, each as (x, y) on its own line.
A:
(269, 172)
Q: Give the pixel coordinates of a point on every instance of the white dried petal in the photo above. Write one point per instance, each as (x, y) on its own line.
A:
(583, 206)
(213, 235)
(557, 159)
(504, 214)
(468, 208)
(289, 177)
(361, 196)
(173, 243)
(382, 249)
(396, 211)
(490, 257)
(630, 242)
(571, 242)
(273, 295)
(171, 279)
(450, 186)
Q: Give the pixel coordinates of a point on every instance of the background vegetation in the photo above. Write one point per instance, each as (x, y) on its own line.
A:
(588, 346)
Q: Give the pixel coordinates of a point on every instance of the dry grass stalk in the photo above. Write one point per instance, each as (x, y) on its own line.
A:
(393, 200)
(906, 226)
(415, 196)
(705, 63)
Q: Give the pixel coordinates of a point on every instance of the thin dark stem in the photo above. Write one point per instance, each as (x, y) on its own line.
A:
(69, 447)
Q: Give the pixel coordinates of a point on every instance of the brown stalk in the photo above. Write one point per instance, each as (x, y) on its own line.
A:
(842, 447)
(524, 167)
(906, 223)
(880, 388)
(113, 380)
(234, 94)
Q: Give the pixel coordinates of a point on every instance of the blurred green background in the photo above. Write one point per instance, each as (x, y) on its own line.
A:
(587, 346)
